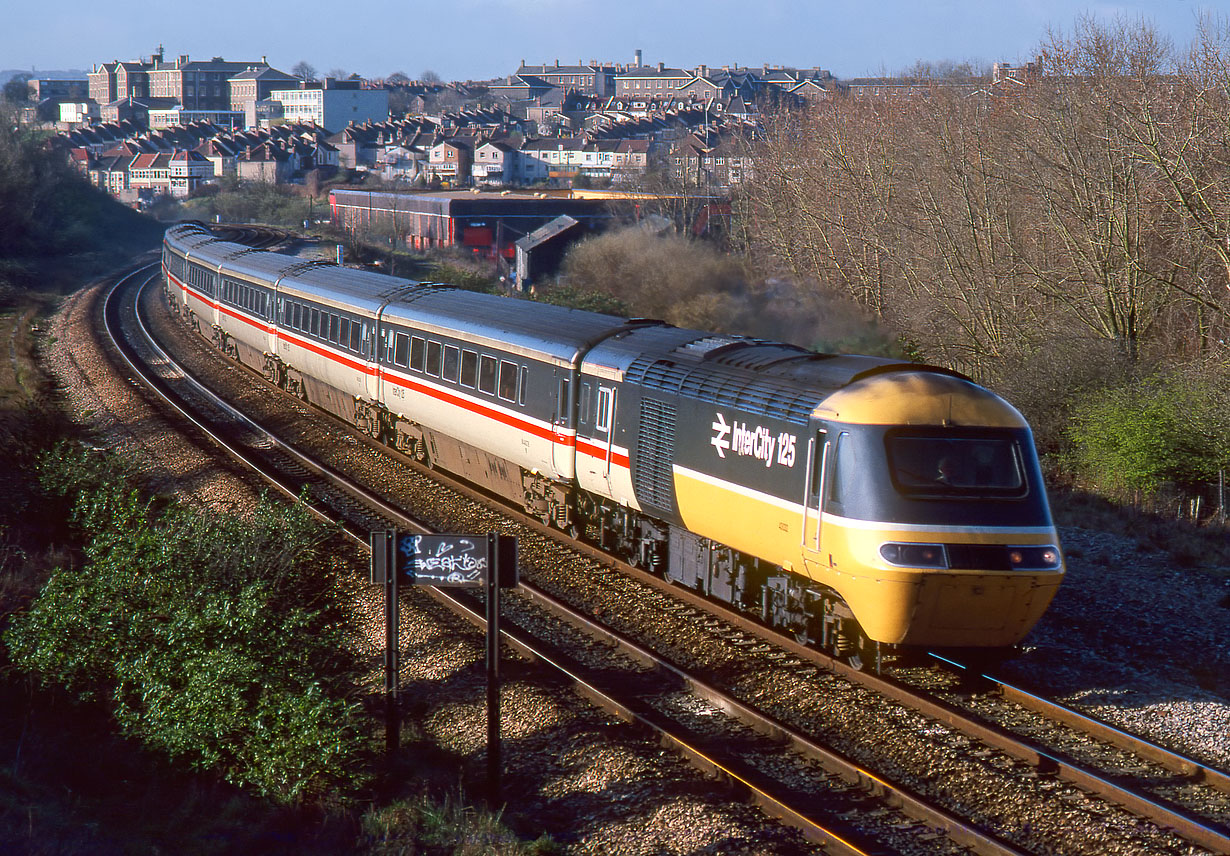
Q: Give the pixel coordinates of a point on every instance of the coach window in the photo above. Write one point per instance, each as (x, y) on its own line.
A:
(315, 322)
(358, 337)
(508, 380)
(343, 337)
(401, 349)
(469, 369)
(418, 353)
(452, 355)
(295, 310)
(333, 324)
(486, 375)
(434, 352)
(521, 384)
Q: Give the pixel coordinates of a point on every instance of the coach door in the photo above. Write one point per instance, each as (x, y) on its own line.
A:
(563, 446)
(819, 459)
(604, 432)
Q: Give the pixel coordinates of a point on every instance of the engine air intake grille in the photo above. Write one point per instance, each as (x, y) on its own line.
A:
(654, 477)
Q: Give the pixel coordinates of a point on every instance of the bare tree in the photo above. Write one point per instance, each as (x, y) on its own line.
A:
(1094, 205)
(303, 70)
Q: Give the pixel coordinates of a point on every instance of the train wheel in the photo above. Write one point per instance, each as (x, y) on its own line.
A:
(864, 654)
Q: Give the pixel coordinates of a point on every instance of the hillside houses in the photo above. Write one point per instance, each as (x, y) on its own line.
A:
(552, 125)
(176, 161)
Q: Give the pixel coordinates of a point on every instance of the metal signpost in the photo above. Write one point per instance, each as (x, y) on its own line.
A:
(462, 561)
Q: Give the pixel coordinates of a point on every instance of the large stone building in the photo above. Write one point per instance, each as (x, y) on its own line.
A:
(200, 88)
(198, 85)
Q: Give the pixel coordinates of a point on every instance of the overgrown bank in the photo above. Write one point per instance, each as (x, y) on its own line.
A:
(181, 630)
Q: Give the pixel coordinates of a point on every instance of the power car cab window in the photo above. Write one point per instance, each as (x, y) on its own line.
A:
(943, 465)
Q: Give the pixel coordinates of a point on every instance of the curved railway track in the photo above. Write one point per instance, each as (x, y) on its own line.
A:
(741, 701)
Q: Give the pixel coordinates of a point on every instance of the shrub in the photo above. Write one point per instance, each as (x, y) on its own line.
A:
(1170, 427)
(212, 638)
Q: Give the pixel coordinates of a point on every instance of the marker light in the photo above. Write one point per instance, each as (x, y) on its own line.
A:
(1034, 558)
(915, 555)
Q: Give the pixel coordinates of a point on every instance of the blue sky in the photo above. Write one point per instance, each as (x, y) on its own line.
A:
(478, 39)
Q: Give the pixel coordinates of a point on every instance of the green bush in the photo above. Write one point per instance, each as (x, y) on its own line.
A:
(212, 638)
(1169, 428)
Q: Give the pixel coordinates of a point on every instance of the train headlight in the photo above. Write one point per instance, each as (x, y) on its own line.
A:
(1034, 558)
(915, 555)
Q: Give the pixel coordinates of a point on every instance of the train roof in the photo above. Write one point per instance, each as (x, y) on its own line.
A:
(755, 375)
(541, 330)
(199, 244)
(349, 287)
(189, 236)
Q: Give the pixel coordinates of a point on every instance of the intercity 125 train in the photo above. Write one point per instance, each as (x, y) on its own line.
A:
(854, 501)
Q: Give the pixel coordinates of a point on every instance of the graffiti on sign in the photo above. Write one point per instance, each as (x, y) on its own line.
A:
(443, 560)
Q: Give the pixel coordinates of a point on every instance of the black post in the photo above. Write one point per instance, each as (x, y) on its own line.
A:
(493, 673)
(392, 646)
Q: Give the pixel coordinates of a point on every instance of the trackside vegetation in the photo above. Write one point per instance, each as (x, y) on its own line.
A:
(211, 638)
